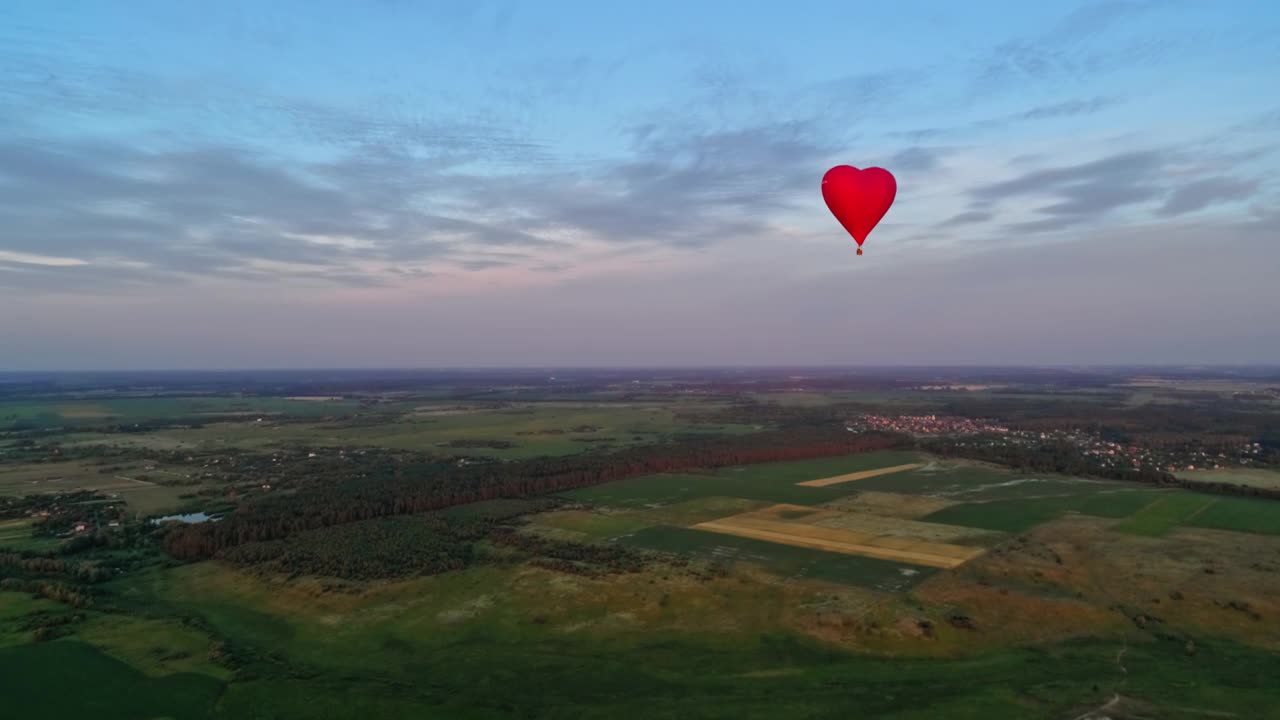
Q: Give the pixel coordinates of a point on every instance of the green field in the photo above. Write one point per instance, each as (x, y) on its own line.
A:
(773, 482)
(1146, 511)
(666, 489)
(66, 679)
(157, 647)
(612, 522)
(1165, 513)
(794, 471)
(1240, 515)
(1019, 515)
(97, 410)
(557, 429)
(976, 483)
(33, 478)
(784, 560)
(485, 643)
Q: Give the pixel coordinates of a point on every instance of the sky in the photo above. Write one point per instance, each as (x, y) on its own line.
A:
(502, 183)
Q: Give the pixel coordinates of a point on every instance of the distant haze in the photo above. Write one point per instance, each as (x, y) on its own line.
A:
(397, 184)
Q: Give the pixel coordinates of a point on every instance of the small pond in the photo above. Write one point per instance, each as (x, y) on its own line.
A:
(188, 518)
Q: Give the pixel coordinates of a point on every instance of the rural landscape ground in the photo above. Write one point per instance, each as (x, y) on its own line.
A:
(680, 544)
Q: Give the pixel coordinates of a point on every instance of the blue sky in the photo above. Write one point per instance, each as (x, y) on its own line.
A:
(249, 184)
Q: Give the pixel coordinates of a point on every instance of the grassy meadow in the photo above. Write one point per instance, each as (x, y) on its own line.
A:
(94, 410)
(784, 560)
(1018, 515)
(771, 482)
(122, 482)
(489, 641)
(1251, 477)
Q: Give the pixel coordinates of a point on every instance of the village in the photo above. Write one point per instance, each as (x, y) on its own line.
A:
(1107, 453)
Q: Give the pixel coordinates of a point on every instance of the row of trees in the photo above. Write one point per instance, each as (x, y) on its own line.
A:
(50, 590)
(382, 548)
(417, 487)
(387, 547)
(12, 564)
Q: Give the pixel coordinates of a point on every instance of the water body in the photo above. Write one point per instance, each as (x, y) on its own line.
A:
(188, 518)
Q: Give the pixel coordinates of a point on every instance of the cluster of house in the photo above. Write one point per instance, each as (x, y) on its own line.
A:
(924, 425)
(1109, 454)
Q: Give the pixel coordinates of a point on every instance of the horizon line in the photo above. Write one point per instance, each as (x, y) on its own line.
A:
(655, 366)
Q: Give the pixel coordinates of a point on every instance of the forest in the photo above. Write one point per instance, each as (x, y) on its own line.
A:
(416, 487)
(386, 547)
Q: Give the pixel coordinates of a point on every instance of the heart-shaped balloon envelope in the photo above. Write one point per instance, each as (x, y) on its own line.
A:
(858, 198)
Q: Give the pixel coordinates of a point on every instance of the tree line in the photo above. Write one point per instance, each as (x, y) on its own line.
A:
(17, 564)
(431, 543)
(49, 590)
(417, 487)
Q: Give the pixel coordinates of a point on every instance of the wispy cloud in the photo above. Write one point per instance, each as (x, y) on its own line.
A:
(967, 218)
(1201, 194)
(224, 211)
(1071, 108)
(221, 107)
(1088, 192)
(220, 211)
(19, 258)
(1068, 108)
(1068, 50)
(917, 159)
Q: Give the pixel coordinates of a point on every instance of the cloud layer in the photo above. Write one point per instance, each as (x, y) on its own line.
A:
(577, 197)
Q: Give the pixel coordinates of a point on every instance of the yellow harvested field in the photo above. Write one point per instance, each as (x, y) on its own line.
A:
(898, 527)
(764, 525)
(823, 482)
(847, 548)
(800, 516)
(886, 504)
(856, 537)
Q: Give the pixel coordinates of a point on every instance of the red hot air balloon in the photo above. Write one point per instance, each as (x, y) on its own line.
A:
(858, 198)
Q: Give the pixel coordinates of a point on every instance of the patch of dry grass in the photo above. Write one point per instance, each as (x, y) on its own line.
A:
(909, 507)
(832, 531)
(1192, 580)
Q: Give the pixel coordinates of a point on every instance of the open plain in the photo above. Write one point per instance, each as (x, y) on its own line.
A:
(710, 556)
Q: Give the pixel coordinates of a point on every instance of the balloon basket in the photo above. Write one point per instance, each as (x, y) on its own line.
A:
(859, 251)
